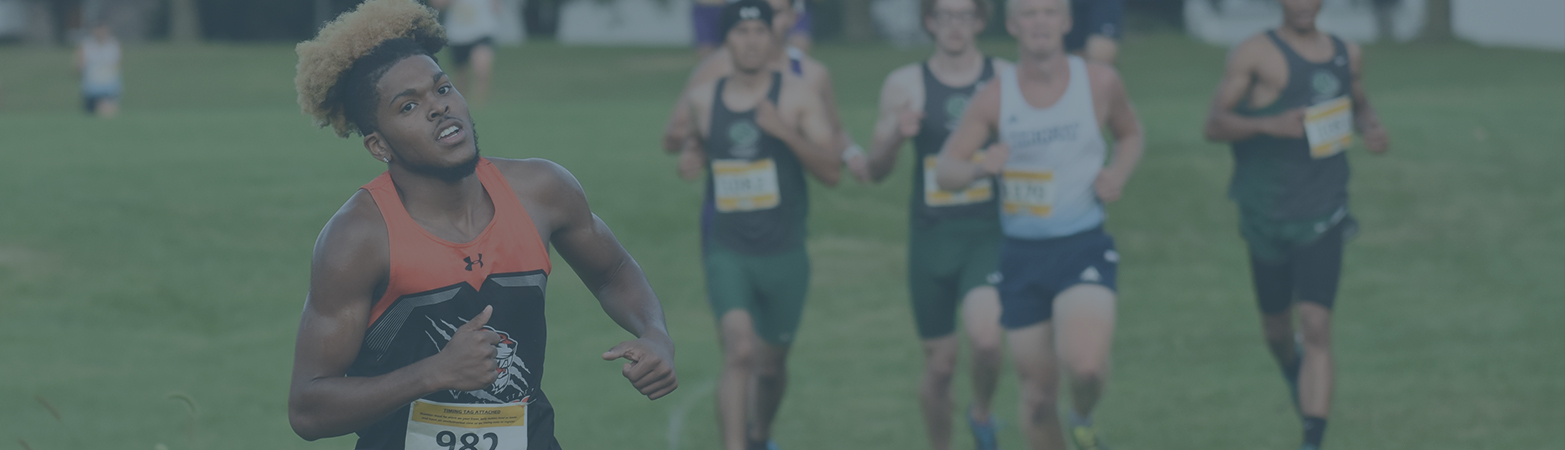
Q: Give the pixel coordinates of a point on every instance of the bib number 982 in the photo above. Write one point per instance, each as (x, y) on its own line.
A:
(466, 441)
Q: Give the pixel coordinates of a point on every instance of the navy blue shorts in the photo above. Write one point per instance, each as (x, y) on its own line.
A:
(1089, 17)
(1034, 272)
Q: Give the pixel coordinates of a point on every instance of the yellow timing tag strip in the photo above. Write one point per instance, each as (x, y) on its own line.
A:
(1029, 192)
(742, 185)
(448, 426)
(1329, 127)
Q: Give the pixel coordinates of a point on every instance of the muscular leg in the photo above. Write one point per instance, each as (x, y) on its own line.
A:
(771, 380)
(935, 390)
(1033, 349)
(981, 317)
(733, 389)
(483, 65)
(1315, 377)
(1084, 316)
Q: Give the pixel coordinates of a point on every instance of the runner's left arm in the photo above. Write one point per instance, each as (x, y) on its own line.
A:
(1365, 120)
(1128, 139)
(586, 243)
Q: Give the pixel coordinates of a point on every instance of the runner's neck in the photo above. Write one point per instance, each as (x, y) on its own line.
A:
(1043, 67)
(436, 201)
(964, 65)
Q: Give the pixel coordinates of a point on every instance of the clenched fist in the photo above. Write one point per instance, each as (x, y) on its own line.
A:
(468, 360)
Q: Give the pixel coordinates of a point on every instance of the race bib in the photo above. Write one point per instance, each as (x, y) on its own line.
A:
(980, 191)
(1329, 127)
(455, 426)
(1028, 192)
(742, 185)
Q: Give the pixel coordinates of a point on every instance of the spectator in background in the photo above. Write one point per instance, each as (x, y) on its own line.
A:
(470, 28)
(1096, 29)
(98, 63)
(704, 18)
(800, 35)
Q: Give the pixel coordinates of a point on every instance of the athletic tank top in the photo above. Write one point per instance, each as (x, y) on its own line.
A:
(1291, 179)
(755, 181)
(1056, 153)
(434, 287)
(943, 108)
(100, 65)
(468, 21)
(708, 208)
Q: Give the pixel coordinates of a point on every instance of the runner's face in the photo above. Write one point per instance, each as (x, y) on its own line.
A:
(1300, 14)
(955, 24)
(750, 44)
(783, 18)
(418, 110)
(1039, 26)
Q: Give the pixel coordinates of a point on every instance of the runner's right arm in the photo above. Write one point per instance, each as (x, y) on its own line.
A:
(351, 263)
(955, 169)
(677, 131)
(899, 120)
(1225, 125)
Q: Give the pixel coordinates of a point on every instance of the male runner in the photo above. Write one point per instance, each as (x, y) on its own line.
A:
(424, 325)
(760, 131)
(1289, 102)
(1057, 266)
(954, 236)
(470, 28)
(1097, 29)
(782, 57)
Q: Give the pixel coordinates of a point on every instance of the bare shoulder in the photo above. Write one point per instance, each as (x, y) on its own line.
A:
(701, 94)
(716, 65)
(534, 178)
(813, 69)
(905, 76)
(354, 237)
(1251, 50)
(796, 94)
(548, 191)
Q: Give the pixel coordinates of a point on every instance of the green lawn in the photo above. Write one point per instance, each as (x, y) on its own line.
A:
(163, 257)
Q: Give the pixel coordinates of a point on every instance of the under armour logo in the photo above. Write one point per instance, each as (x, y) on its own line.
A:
(1091, 275)
(750, 13)
(470, 262)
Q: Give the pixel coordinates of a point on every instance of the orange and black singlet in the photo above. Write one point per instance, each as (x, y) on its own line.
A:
(434, 287)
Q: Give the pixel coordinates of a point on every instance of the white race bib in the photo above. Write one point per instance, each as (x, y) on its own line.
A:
(1028, 192)
(455, 426)
(742, 185)
(1329, 127)
(980, 191)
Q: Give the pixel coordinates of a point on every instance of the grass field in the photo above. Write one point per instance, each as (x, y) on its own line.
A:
(160, 260)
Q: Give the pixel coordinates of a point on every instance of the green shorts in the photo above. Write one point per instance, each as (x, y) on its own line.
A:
(1271, 240)
(770, 287)
(946, 260)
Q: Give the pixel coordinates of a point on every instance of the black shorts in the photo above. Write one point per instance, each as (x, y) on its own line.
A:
(90, 102)
(462, 54)
(1094, 17)
(1308, 273)
(1034, 272)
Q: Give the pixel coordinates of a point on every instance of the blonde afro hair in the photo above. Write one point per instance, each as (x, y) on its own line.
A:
(327, 61)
